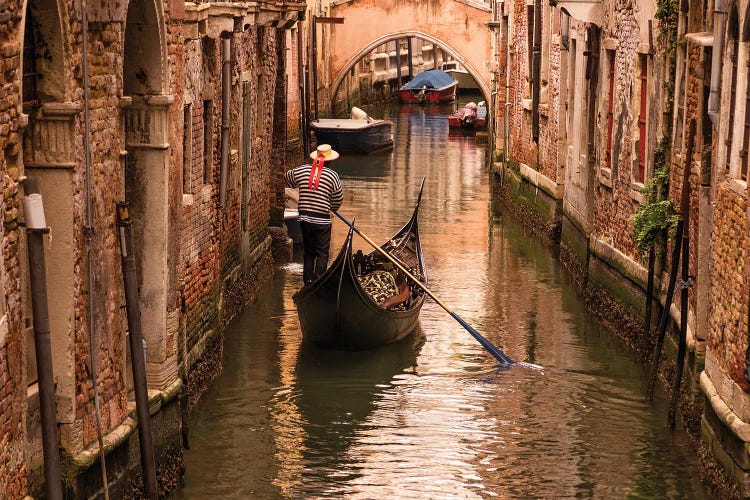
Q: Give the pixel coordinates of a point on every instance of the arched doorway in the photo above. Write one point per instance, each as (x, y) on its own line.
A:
(146, 124)
(48, 154)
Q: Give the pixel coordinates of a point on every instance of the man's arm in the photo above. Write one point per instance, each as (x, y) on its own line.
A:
(337, 195)
(289, 179)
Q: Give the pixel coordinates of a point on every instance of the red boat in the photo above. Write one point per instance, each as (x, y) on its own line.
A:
(469, 117)
(433, 86)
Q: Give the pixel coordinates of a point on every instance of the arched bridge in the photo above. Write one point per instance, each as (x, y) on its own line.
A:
(459, 27)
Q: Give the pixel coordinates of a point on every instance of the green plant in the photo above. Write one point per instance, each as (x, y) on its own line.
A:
(667, 13)
(656, 218)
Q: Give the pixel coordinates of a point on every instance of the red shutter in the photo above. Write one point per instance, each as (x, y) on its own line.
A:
(641, 174)
(610, 106)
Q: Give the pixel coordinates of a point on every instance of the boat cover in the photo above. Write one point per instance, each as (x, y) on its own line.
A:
(432, 79)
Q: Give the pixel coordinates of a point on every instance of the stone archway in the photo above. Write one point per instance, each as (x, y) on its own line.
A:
(358, 56)
(49, 155)
(146, 124)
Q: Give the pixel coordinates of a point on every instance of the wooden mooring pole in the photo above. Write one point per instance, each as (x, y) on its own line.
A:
(137, 354)
(685, 279)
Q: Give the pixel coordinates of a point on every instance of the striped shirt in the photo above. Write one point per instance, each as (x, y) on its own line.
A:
(315, 204)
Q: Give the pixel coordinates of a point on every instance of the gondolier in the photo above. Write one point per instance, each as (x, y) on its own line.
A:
(319, 193)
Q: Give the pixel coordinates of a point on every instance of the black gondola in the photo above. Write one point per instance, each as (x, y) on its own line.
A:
(336, 310)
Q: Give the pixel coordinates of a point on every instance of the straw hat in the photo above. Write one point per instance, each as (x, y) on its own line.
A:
(325, 150)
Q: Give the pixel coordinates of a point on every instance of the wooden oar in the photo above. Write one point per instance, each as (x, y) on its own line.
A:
(491, 348)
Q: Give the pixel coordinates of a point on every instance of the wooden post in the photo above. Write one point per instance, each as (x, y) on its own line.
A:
(409, 54)
(137, 355)
(398, 63)
(685, 283)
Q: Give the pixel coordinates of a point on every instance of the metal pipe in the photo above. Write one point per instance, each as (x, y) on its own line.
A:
(301, 82)
(307, 111)
(718, 47)
(88, 231)
(506, 125)
(226, 101)
(315, 63)
(536, 71)
(36, 228)
(137, 356)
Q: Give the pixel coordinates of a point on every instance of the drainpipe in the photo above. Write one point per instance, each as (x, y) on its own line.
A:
(301, 82)
(88, 232)
(226, 98)
(719, 25)
(314, 30)
(506, 124)
(36, 228)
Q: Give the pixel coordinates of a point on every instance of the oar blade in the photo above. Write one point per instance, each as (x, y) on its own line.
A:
(489, 346)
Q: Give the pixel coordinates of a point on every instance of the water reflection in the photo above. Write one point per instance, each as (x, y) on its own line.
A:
(433, 417)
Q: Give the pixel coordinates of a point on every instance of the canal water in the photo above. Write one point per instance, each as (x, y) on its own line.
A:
(433, 416)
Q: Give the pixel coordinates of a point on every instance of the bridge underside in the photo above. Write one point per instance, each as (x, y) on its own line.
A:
(459, 27)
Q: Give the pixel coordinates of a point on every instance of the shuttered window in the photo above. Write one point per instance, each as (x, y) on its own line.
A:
(610, 106)
(734, 46)
(746, 136)
(208, 139)
(187, 148)
(29, 64)
(640, 174)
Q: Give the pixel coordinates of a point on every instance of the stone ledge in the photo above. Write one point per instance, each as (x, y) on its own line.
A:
(576, 218)
(86, 458)
(727, 390)
(157, 399)
(732, 421)
(259, 251)
(619, 261)
(541, 181)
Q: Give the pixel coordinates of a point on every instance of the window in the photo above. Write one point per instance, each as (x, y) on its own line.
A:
(247, 143)
(530, 41)
(30, 76)
(746, 135)
(187, 148)
(640, 171)
(733, 52)
(571, 104)
(610, 106)
(208, 139)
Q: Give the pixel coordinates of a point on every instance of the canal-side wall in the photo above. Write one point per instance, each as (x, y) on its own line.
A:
(156, 141)
(618, 99)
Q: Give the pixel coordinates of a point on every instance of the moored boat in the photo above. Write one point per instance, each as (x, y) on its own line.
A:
(470, 117)
(361, 301)
(433, 86)
(465, 81)
(358, 134)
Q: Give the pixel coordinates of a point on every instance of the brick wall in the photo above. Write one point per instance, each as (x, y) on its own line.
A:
(729, 288)
(13, 470)
(522, 148)
(614, 205)
(203, 241)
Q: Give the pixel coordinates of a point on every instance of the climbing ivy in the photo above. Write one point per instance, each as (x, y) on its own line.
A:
(667, 13)
(656, 218)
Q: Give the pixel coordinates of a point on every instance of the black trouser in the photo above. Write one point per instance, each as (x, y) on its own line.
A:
(316, 239)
